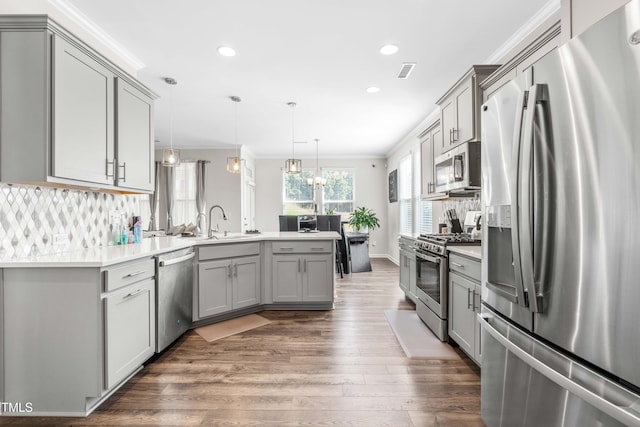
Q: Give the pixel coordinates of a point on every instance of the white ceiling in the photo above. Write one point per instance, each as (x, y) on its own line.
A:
(321, 54)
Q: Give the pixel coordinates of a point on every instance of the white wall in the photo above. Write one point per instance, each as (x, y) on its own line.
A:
(370, 191)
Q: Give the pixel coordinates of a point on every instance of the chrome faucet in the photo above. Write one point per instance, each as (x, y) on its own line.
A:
(224, 217)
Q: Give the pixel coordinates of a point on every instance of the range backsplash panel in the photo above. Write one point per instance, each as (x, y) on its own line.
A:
(42, 220)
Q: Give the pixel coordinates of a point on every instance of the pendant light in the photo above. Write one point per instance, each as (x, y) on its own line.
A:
(292, 165)
(170, 157)
(234, 164)
(318, 180)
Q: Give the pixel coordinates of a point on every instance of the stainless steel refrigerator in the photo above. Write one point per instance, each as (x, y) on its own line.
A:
(561, 247)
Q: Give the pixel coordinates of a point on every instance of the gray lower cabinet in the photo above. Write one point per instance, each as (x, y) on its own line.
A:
(408, 268)
(228, 284)
(464, 304)
(302, 272)
(229, 278)
(129, 329)
(302, 278)
(71, 335)
(69, 115)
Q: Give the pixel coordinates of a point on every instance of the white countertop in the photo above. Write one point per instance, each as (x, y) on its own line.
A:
(108, 255)
(470, 251)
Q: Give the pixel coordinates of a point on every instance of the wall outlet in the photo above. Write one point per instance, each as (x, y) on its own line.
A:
(373, 243)
(60, 239)
(114, 216)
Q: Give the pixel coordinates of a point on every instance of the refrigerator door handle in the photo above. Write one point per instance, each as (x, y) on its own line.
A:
(624, 414)
(537, 94)
(518, 298)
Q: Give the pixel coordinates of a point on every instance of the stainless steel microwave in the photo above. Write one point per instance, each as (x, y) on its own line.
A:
(458, 170)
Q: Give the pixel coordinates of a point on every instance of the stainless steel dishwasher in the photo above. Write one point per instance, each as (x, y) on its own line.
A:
(174, 293)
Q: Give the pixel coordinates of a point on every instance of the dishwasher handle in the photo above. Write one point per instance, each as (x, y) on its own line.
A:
(173, 261)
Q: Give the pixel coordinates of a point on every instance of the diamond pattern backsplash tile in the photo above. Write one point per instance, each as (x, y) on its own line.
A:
(41, 220)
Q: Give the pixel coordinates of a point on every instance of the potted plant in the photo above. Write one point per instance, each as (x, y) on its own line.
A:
(363, 219)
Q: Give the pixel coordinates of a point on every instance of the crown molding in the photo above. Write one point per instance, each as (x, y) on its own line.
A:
(84, 22)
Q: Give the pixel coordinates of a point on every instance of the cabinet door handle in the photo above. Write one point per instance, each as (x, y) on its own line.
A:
(450, 136)
(137, 273)
(455, 134)
(229, 270)
(317, 249)
(235, 269)
(107, 167)
(305, 265)
(457, 265)
(124, 172)
(134, 293)
(473, 300)
(286, 249)
(298, 265)
(468, 299)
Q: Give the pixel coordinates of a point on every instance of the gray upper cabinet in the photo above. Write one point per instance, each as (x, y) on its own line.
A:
(460, 108)
(83, 122)
(134, 137)
(72, 117)
(431, 146)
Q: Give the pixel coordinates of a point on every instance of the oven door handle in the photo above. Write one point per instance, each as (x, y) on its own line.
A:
(426, 257)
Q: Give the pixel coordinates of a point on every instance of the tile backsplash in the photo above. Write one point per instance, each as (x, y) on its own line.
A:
(42, 220)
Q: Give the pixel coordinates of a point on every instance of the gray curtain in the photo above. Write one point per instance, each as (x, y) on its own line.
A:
(153, 198)
(201, 178)
(169, 173)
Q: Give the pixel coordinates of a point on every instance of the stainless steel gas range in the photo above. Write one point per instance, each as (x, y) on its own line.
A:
(432, 278)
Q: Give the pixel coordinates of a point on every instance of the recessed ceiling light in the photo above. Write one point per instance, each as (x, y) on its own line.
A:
(389, 49)
(373, 89)
(226, 51)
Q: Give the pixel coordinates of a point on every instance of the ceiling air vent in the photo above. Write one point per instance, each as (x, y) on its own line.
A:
(406, 69)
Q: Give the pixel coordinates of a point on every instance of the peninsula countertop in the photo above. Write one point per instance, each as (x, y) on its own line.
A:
(104, 256)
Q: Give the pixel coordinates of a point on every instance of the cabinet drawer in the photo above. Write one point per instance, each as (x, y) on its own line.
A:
(126, 274)
(218, 250)
(466, 266)
(288, 247)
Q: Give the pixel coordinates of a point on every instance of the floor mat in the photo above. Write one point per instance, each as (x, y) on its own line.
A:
(415, 338)
(231, 327)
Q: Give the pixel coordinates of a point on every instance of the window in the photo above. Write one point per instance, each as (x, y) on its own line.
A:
(422, 208)
(338, 194)
(145, 211)
(405, 199)
(184, 205)
(415, 213)
(298, 197)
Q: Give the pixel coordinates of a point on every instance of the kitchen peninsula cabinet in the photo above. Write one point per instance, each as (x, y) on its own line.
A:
(70, 117)
(73, 335)
(460, 108)
(302, 271)
(464, 304)
(130, 319)
(228, 278)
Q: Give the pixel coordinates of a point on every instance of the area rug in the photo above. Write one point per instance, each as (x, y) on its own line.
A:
(231, 327)
(416, 339)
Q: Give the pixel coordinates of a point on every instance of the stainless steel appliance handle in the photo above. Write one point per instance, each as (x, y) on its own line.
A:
(428, 257)
(173, 261)
(537, 93)
(458, 167)
(623, 414)
(515, 211)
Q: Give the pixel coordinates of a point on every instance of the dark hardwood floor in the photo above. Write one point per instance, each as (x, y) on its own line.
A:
(319, 368)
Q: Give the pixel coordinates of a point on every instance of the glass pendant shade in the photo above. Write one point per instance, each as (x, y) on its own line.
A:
(234, 164)
(170, 157)
(293, 166)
